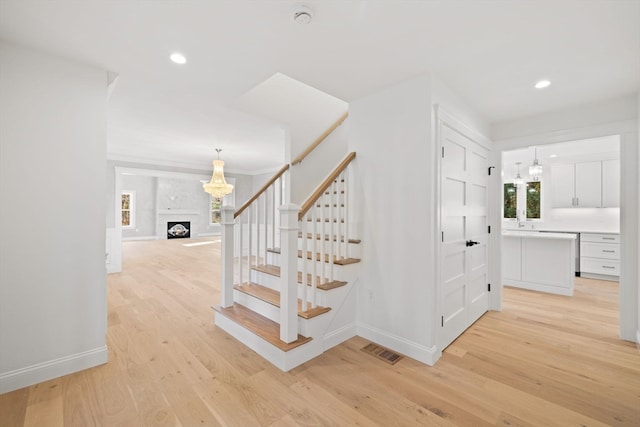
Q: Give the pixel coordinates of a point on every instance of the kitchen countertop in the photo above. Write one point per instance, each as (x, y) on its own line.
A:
(562, 230)
(534, 234)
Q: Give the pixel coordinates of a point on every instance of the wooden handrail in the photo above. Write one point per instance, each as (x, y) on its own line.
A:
(318, 140)
(261, 190)
(325, 184)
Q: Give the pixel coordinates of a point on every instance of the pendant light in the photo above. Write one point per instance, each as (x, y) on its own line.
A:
(518, 179)
(535, 170)
(218, 186)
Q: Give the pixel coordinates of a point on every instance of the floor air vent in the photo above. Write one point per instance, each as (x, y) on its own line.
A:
(382, 353)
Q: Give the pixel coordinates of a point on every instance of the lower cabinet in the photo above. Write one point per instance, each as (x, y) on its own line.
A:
(600, 256)
(539, 263)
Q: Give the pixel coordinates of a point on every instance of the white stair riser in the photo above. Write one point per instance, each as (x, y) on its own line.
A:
(342, 273)
(353, 248)
(270, 311)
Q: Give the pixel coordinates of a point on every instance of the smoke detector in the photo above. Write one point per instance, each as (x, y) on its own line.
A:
(302, 15)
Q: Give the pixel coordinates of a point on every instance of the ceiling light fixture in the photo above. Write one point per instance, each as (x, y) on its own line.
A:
(518, 179)
(541, 84)
(553, 156)
(535, 170)
(302, 15)
(218, 186)
(178, 58)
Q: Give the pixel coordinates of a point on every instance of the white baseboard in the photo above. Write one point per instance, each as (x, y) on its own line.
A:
(428, 355)
(126, 239)
(209, 234)
(339, 336)
(638, 336)
(45, 371)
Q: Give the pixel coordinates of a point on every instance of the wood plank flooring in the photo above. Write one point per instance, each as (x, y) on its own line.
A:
(545, 360)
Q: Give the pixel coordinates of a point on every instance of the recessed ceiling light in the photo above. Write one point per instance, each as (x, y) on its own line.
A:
(178, 58)
(553, 156)
(541, 84)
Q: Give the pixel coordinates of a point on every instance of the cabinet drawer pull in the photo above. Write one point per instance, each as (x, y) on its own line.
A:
(610, 252)
(608, 238)
(608, 266)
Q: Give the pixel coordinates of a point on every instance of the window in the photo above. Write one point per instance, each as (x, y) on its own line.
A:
(523, 201)
(510, 201)
(533, 200)
(216, 210)
(128, 205)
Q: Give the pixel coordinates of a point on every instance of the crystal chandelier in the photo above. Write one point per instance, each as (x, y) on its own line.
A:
(218, 186)
(535, 170)
(518, 179)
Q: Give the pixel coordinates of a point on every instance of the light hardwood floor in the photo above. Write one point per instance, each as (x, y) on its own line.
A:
(544, 361)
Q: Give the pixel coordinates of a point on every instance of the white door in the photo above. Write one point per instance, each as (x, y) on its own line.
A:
(464, 251)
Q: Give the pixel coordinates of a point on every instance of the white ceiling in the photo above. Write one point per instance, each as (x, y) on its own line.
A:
(489, 52)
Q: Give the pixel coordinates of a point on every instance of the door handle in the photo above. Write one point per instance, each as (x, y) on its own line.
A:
(471, 243)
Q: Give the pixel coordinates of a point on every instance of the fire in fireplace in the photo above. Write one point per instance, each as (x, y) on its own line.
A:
(178, 230)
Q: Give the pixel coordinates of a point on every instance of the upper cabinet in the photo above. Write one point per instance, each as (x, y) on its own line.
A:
(589, 185)
(586, 185)
(611, 183)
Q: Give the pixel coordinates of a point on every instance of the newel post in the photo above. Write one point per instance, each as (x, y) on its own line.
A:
(289, 272)
(226, 288)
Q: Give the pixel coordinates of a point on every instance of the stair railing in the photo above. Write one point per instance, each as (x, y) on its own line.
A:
(324, 219)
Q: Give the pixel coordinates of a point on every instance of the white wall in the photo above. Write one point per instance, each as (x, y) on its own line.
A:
(638, 239)
(309, 174)
(614, 117)
(144, 188)
(391, 133)
(52, 162)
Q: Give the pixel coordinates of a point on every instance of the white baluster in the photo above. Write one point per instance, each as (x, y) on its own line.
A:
(332, 218)
(266, 229)
(314, 277)
(257, 203)
(241, 247)
(273, 215)
(305, 269)
(346, 213)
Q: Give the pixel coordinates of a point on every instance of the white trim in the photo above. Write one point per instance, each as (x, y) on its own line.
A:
(45, 371)
(340, 335)
(127, 239)
(587, 132)
(428, 355)
(460, 127)
(534, 286)
(159, 173)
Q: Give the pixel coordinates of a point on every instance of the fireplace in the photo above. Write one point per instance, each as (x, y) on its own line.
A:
(178, 229)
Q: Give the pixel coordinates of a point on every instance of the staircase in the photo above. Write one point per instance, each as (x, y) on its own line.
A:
(289, 272)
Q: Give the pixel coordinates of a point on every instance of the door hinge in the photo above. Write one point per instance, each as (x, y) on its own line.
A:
(442, 321)
(443, 237)
(491, 167)
(443, 152)
(488, 287)
(489, 229)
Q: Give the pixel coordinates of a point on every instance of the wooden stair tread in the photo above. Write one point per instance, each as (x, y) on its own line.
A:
(336, 261)
(265, 328)
(274, 270)
(326, 237)
(272, 297)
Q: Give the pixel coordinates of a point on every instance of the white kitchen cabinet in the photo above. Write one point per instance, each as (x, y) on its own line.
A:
(539, 261)
(588, 185)
(600, 256)
(611, 183)
(563, 185)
